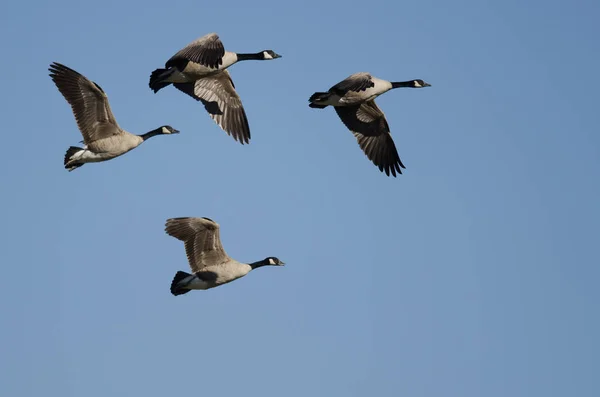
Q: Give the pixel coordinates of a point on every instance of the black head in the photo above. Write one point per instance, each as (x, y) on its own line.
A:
(270, 54)
(274, 261)
(167, 129)
(418, 83)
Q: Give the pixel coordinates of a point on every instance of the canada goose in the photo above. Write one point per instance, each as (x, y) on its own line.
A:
(102, 136)
(354, 101)
(199, 70)
(207, 258)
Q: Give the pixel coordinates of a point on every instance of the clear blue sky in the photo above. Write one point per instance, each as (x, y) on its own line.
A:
(473, 274)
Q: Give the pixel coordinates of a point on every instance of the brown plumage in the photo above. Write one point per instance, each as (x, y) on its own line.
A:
(200, 71)
(210, 264)
(354, 102)
(103, 137)
(370, 128)
(223, 104)
(202, 241)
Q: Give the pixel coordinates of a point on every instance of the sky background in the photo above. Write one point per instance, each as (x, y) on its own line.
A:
(475, 273)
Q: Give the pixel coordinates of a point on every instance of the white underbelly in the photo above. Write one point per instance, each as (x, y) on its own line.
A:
(87, 156)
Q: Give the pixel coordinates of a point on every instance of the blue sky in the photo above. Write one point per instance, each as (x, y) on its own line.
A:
(473, 274)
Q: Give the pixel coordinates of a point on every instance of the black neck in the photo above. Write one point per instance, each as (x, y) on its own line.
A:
(403, 84)
(245, 57)
(152, 133)
(264, 262)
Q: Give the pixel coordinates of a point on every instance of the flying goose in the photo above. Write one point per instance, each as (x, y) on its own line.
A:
(199, 70)
(207, 258)
(102, 136)
(354, 101)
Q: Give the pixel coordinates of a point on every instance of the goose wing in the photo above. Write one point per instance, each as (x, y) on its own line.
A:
(202, 241)
(356, 82)
(368, 124)
(208, 50)
(222, 103)
(88, 102)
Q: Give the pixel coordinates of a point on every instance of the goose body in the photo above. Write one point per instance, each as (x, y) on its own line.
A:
(348, 95)
(354, 101)
(210, 264)
(103, 138)
(200, 71)
(182, 70)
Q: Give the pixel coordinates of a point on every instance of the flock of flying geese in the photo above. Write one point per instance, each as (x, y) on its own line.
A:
(200, 71)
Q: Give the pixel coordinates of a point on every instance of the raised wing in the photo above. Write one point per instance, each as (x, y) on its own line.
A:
(201, 238)
(208, 50)
(368, 124)
(88, 101)
(222, 103)
(356, 82)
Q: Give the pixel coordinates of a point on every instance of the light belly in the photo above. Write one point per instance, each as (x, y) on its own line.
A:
(114, 146)
(87, 156)
(224, 274)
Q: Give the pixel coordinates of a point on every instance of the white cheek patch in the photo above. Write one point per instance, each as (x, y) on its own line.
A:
(271, 261)
(417, 84)
(267, 55)
(165, 130)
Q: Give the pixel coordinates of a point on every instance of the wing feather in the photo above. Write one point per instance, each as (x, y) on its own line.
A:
(88, 101)
(208, 50)
(222, 103)
(202, 241)
(356, 83)
(368, 124)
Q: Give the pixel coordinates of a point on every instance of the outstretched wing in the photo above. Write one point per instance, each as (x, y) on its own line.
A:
(222, 103)
(208, 50)
(201, 239)
(368, 124)
(356, 82)
(88, 101)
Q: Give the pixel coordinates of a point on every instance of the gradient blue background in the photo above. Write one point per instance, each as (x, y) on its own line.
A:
(473, 274)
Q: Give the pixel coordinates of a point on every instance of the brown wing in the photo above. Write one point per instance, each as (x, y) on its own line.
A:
(201, 239)
(88, 102)
(222, 103)
(208, 50)
(368, 124)
(356, 83)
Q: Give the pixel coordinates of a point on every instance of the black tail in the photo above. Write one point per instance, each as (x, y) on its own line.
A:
(318, 97)
(176, 289)
(70, 152)
(156, 78)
